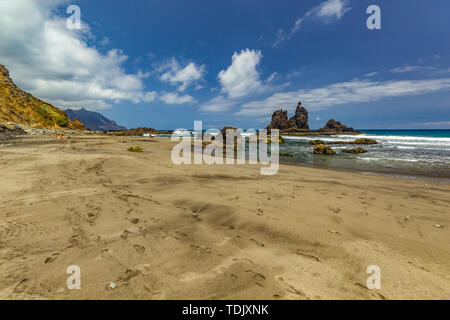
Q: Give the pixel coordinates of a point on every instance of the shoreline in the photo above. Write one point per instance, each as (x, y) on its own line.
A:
(5, 140)
(373, 173)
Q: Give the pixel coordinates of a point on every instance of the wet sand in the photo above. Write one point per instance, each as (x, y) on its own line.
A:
(161, 231)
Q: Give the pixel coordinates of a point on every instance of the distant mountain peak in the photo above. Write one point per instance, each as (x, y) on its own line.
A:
(94, 121)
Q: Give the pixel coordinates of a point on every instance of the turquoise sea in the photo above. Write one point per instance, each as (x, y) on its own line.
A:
(408, 152)
(418, 153)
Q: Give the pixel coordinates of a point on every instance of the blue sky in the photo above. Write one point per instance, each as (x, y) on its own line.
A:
(164, 64)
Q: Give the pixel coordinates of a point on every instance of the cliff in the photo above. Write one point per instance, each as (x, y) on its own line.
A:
(20, 107)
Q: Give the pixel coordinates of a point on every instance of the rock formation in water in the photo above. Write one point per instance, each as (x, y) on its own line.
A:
(300, 119)
(355, 151)
(279, 120)
(335, 127)
(323, 149)
(299, 122)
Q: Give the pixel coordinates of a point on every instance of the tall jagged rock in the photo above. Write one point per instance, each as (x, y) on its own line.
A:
(279, 120)
(20, 107)
(299, 122)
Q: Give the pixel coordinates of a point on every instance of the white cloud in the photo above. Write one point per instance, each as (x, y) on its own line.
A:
(182, 76)
(218, 104)
(56, 64)
(242, 78)
(411, 69)
(332, 9)
(175, 98)
(272, 77)
(436, 124)
(344, 92)
(326, 11)
(239, 80)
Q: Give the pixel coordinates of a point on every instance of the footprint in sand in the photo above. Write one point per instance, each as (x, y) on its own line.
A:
(106, 253)
(308, 256)
(258, 243)
(125, 234)
(335, 210)
(92, 217)
(290, 289)
(139, 249)
(52, 258)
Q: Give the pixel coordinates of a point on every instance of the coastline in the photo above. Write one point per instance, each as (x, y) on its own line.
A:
(400, 175)
(158, 230)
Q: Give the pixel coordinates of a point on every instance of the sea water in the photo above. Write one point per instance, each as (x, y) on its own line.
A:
(410, 152)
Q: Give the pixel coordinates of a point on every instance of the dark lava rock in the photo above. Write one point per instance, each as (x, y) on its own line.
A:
(357, 141)
(355, 151)
(279, 120)
(336, 127)
(299, 122)
(315, 142)
(323, 149)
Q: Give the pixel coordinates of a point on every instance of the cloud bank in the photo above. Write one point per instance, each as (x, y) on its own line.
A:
(57, 64)
(342, 93)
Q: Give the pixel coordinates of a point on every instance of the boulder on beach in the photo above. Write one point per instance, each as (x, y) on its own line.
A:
(135, 149)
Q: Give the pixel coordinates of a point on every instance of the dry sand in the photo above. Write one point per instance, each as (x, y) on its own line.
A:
(161, 231)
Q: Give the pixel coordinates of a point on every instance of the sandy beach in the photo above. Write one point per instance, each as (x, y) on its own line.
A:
(161, 231)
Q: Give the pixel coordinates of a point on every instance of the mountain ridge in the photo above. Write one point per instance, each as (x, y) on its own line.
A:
(20, 107)
(94, 121)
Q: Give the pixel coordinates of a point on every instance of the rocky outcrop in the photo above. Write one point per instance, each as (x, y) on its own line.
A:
(357, 141)
(316, 142)
(299, 122)
(300, 119)
(335, 127)
(355, 151)
(323, 149)
(22, 108)
(11, 129)
(279, 120)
